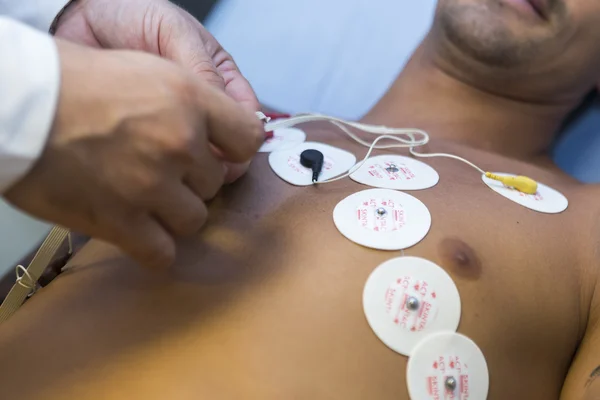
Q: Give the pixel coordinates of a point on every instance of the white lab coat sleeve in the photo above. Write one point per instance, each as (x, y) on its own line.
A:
(36, 13)
(29, 89)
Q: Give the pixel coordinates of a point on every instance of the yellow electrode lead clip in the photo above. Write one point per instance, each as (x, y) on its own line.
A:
(521, 183)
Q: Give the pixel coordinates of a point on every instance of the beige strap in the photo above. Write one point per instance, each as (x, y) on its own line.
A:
(26, 283)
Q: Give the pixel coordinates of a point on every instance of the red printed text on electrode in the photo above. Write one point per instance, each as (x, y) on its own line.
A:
(382, 172)
(391, 218)
(443, 368)
(396, 303)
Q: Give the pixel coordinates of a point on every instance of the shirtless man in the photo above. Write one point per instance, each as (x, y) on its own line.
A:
(266, 302)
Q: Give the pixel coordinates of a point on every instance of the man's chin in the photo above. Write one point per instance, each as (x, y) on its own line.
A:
(485, 38)
(493, 33)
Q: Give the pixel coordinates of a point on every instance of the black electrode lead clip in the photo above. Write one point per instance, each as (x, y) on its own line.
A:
(312, 159)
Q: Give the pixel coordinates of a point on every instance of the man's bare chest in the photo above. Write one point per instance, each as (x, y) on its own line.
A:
(519, 272)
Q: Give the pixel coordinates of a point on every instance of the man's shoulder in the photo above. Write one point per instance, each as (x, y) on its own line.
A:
(590, 199)
(588, 195)
(595, 194)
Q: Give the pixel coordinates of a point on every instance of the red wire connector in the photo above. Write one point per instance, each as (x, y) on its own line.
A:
(277, 115)
(269, 135)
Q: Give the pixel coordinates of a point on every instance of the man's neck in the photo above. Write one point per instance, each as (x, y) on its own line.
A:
(427, 96)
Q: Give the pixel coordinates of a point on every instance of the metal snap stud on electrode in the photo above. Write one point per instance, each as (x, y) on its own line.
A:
(450, 384)
(381, 211)
(412, 303)
(392, 168)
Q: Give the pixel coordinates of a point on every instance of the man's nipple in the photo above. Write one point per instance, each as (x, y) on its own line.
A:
(459, 258)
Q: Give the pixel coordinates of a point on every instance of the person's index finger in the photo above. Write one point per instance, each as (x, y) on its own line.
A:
(233, 129)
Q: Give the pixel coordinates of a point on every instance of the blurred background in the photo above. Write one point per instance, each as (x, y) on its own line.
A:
(336, 57)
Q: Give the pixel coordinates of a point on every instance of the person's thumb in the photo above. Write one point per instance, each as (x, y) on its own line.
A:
(184, 40)
(180, 41)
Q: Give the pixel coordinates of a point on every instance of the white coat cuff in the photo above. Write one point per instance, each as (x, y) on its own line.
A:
(29, 90)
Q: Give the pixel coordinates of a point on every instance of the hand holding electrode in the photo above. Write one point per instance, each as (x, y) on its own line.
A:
(139, 143)
(161, 28)
(129, 159)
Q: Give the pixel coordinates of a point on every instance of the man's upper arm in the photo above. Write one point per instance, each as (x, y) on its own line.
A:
(583, 379)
